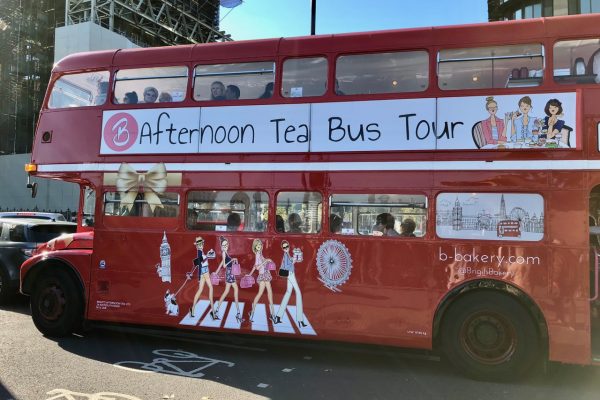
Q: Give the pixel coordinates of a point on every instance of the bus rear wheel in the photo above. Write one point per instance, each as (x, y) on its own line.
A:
(57, 304)
(490, 336)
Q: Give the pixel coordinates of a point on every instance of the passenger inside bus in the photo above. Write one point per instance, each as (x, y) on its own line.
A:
(232, 93)
(217, 91)
(233, 222)
(335, 223)
(295, 223)
(150, 94)
(268, 93)
(407, 227)
(165, 97)
(279, 224)
(390, 222)
(130, 98)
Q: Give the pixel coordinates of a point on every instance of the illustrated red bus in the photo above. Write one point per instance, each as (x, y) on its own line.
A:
(508, 228)
(366, 173)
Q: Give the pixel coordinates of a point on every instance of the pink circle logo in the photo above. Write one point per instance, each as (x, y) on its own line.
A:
(120, 132)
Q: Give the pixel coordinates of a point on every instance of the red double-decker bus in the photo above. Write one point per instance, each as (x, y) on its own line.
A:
(343, 187)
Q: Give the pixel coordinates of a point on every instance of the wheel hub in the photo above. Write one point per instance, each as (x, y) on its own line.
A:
(489, 338)
(52, 303)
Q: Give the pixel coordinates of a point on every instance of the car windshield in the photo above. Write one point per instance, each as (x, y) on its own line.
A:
(44, 233)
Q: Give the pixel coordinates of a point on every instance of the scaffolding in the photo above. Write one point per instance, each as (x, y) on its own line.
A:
(152, 22)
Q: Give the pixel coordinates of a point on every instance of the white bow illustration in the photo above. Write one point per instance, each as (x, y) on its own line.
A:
(130, 182)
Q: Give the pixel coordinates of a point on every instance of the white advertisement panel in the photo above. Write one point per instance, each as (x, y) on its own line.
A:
(536, 121)
(540, 122)
(374, 126)
(490, 216)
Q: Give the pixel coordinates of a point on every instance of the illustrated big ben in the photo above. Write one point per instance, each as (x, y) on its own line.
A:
(164, 270)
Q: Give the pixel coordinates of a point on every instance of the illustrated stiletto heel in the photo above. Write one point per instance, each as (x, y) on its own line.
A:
(250, 316)
(239, 318)
(214, 316)
(301, 324)
(192, 312)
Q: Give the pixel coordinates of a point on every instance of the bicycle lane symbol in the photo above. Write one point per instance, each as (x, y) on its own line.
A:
(174, 362)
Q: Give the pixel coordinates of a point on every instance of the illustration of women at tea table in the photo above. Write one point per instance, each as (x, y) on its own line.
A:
(201, 262)
(522, 123)
(287, 264)
(227, 263)
(552, 124)
(264, 278)
(493, 127)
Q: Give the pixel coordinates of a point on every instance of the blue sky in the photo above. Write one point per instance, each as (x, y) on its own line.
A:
(257, 19)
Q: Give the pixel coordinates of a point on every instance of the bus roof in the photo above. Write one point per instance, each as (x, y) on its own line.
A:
(456, 35)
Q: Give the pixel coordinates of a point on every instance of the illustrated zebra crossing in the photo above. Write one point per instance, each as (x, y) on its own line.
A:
(260, 321)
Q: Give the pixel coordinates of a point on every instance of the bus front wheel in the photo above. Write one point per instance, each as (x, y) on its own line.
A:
(490, 336)
(57, 304)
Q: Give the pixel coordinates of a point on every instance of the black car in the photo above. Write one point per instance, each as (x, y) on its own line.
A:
(18, 239)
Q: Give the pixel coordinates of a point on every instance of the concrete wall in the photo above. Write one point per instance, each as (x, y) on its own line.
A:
(86, 36)
(51, 195)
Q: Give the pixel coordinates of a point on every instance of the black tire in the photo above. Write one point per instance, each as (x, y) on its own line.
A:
(57, 304)
(6, 291)
(490, 336)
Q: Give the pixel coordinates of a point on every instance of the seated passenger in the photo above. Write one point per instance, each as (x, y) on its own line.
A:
(295, 223)
(102, 93)
(150, 94)
(192, 219)
(335, 223)
(268, 93)
(233, 222)
(217, 91)
(390, 222)
(165, 97)
(279, 224)
(232, 93)
(130, 98)
(379, 227)
(408, 227)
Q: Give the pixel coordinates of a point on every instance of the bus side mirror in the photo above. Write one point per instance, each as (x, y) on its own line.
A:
(33, 186)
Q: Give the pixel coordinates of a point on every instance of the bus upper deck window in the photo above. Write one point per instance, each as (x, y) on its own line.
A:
(398, 72)
(304, 77)
(79, 90)
(150, 85)
(577, 61)
(512, 66)
(238, 81)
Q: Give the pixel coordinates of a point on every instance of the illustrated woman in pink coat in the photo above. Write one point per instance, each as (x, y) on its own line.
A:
(493, 127)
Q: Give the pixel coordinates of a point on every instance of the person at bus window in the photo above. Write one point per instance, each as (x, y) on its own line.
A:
(102, 93)
(295, 223)
(552, 124)
(165, 97)
(379, 227)
(407, 227)
(390, 223)
(268, 93)
(335, 223)
(192, 219)
(232, 92)
(130, 98)
(493, 128)
(217, 91)
(279, 224)
(201, 262)
(523, 124)
(233, 222)
(150, 94)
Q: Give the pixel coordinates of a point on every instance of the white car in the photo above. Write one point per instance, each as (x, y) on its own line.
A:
(33, 214)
